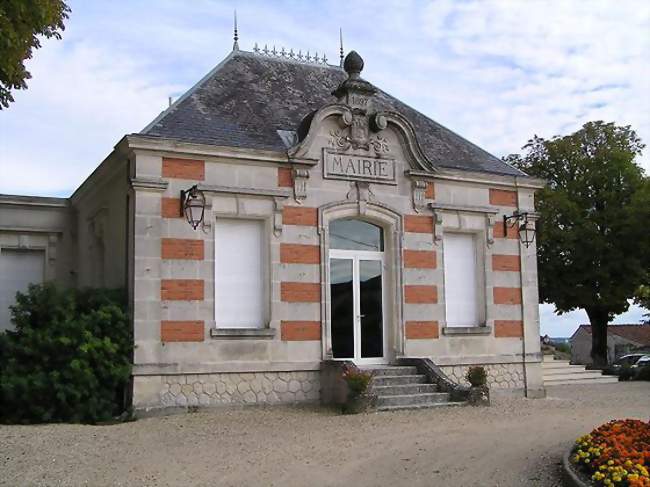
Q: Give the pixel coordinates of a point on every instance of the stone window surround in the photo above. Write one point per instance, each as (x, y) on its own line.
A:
(48, 245)
(484, 258)
(272, 220)
(391, 222)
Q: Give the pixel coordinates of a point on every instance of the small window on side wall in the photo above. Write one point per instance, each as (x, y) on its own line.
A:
(240, 273)
(463, 280)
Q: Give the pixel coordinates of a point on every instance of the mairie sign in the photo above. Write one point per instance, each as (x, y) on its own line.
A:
(359, 168)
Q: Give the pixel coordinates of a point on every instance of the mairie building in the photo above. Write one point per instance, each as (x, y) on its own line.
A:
(285, 215)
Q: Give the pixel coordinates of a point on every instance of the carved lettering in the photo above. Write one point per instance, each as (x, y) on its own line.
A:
(352, 167)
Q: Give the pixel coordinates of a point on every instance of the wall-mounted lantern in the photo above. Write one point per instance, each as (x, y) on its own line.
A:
(193, 206)
(526, 228)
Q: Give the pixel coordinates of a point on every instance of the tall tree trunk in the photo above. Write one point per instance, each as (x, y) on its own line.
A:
(598, 318)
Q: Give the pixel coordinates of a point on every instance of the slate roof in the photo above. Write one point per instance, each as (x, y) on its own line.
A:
(639, 334)
(247, 98)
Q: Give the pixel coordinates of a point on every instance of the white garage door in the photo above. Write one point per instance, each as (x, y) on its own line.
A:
(18, 268)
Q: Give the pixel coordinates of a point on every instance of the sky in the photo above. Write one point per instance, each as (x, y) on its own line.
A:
(497, 72)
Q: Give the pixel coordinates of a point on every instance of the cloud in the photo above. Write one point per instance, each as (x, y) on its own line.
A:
(497, 72)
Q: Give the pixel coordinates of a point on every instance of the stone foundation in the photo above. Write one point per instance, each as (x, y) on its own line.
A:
(500, 376)
(225, 389)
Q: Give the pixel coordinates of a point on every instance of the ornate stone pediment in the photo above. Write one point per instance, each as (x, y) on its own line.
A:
(353, 129)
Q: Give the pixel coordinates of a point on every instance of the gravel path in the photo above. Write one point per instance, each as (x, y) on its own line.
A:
(516, 442)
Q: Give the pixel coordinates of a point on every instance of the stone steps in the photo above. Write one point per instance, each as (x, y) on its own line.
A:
(602, 380)
(413, 399)
(396, 380)
(402, 387)
(422, 406)
(393, 370)
(561, 372)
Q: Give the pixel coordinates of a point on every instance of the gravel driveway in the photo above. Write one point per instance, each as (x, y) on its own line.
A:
(516, 442)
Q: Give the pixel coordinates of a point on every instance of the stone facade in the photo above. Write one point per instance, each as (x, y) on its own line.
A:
(500, 376)
(230, 389)
(360, 155)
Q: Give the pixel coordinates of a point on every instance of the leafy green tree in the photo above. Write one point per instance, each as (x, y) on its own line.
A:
(593, 233)
(642, 298)
(21, 22)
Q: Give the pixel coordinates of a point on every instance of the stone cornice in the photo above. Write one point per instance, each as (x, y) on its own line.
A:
(488, 179)
(275, 193)
(136, 142)
(149, 184)
(36, 201)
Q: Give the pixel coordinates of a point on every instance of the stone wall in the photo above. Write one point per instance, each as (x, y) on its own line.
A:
(228, 389)
(500, 376)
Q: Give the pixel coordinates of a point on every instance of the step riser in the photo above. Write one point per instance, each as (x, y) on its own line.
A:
(593, 382)
(394, 371)
(422, 406)
(405, 389)
(572, 376)
(399, 380)
(412, 399)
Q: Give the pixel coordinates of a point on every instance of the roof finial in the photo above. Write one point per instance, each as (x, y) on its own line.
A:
(235, 45)
(341, 48)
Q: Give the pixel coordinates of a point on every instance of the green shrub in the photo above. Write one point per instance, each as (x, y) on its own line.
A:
(642, 373)
(357, 380)
(626, 373)
(69, 358)
(476, 376)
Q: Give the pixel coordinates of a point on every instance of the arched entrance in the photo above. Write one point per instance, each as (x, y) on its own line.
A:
(357, 289)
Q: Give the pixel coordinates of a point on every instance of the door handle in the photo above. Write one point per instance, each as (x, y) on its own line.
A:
(361, 316)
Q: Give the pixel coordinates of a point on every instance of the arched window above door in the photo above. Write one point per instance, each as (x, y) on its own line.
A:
(355, 234)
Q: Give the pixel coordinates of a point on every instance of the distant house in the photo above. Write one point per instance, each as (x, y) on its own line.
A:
(621, 339)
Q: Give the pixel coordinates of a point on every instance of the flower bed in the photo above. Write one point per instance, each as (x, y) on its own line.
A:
(615, 454)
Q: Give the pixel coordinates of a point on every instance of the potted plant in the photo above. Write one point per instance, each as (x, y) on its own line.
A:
(358, 398)
(479, 393)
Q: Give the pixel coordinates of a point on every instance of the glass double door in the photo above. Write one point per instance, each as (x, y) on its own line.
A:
(357, 305)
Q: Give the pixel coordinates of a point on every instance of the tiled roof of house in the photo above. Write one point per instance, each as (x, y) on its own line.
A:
(639, 334)
(248, 97)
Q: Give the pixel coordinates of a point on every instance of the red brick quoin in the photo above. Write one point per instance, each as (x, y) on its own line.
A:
(299, 254)
(183, 169)
(182, 331)
(300, 331)
(508, 328)
(422, 330)
(181, 289)
(181, 249)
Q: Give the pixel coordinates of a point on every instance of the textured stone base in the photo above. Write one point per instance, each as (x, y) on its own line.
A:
(500, 376)
(225, 389)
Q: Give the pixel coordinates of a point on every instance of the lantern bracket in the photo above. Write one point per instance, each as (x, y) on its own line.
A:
(192, 199)
(526, 234)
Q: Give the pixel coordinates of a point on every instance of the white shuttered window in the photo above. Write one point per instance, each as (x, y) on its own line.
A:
(462, 299)
(239, 281)
(18, 269)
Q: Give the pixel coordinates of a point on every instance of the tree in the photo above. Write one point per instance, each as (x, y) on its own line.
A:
(21, 22)
(642, 298)
(593, 237)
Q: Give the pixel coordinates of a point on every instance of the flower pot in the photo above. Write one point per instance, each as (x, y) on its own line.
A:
(479, 396)
(358, 404)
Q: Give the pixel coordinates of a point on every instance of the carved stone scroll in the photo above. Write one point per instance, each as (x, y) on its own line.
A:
(490, 219)
(300, 177)
(278, 204)
(419, 188)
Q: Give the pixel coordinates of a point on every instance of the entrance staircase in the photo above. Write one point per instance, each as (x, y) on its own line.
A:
(561, 372)
(403, 387)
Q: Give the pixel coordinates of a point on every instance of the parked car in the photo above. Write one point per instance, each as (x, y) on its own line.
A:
(643, 362)
(630, 360)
